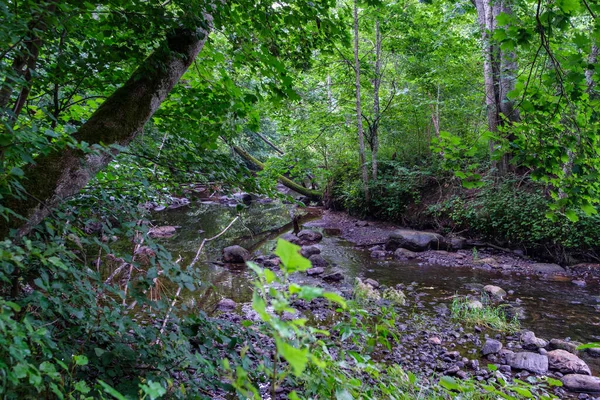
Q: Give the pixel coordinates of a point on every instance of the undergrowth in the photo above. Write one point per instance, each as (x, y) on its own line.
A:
(483, 314)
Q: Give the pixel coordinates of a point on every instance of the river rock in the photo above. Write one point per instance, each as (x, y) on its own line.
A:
(404, 254)
(531, 342)
(586, 268)
(372, 282)
(318, 261)
(488, 261)
(272, 262)
(226, 305)
(314, 271)
(495, 291)
(290, 237)
(415, 240)
(528, 361)
(558, 344)
(334, 276)
(543, 268)
(162, 231)
(491, 346)
(578, 282)
(456, 242)
(567, 363)
(308, 251)
(308, 237)
(434, 340)
(235, 254)
(581, 383)
(379, 254)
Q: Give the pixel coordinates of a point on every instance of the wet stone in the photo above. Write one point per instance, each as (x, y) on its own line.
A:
(226, 305)
(315, 271)
(491, 346)
(581, 383)
(567, 363)
(528, 361)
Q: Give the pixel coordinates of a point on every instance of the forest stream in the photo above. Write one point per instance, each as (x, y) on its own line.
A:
(552, 309)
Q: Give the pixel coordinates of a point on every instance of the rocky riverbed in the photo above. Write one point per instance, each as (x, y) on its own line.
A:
(561, 305)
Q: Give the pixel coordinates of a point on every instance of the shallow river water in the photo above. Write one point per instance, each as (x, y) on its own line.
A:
(552, 309)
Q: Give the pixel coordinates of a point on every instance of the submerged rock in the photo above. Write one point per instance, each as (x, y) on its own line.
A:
(528, 361)
(235, 254)
(309, 237)
(415, 240)
(567, 363)
(379, 254)
(581, 383)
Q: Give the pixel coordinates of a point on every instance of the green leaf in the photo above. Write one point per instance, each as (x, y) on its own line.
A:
(110, 390)
(336, 298)
(297, 358)
(449, 383)
(80, 360)
(290, 257)
(571, 215)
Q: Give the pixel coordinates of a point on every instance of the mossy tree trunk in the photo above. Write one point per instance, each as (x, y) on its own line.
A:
(63, 173)
(312, 194)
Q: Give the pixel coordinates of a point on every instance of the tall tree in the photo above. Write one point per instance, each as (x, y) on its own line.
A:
(499, 70)
(359, 124)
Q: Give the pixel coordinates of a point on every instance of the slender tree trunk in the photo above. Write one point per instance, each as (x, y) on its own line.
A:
(361, 133)
(589, 73)
(376, 111)
(499, 70)
(63, 173)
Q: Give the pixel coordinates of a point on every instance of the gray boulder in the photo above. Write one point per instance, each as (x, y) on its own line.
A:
(315, 271)
(567, 363)
(415, 240)
(404, 254)
(543, 268)
(308, 237)
(334, 276)
(558, 344)
(318, 261)
(581, 383)
(372, 282)
(491, 346)
(532, 362)
(495, 291)
(226, 305)
(308, 251)
(531, 342)
(379, 254)
(290, 237)
(235, 254)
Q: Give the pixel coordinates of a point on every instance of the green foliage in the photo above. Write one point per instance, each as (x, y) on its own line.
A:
(488, 315)
(514, 212)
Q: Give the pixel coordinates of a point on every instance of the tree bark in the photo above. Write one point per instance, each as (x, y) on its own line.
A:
(376, 110)
(499, 70)
(361, 133)
(313, 194)
(63, 173)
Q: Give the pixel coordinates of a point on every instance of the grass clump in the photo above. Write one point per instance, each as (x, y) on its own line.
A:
(394, 296)
(483, 314)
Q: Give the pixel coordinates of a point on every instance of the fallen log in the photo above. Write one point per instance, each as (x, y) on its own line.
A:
(312, 194)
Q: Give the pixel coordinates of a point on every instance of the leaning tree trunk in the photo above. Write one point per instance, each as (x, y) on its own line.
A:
(63, 173)
(361, 133)
(312, 194)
